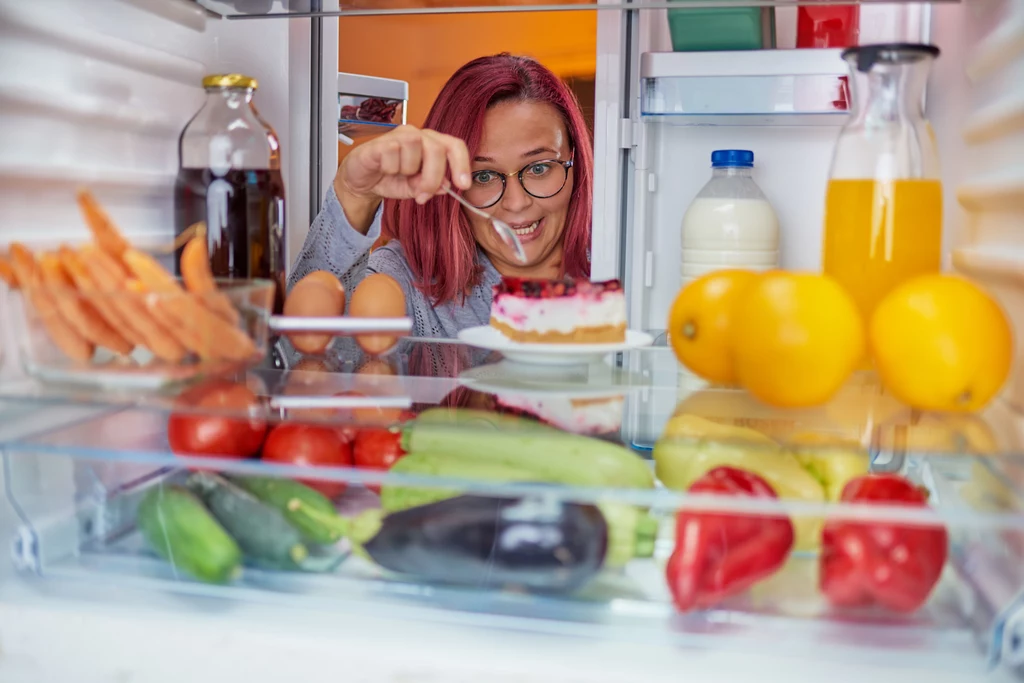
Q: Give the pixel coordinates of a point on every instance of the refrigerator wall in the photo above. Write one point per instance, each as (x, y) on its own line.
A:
(97, 93)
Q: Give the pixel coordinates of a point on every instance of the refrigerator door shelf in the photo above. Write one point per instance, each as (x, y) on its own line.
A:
(745, 88)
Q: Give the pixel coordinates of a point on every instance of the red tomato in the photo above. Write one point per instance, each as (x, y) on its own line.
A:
(224, 420)
(377, 449)
(312, 446)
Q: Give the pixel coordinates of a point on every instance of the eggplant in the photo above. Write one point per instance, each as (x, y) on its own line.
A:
(532, 543)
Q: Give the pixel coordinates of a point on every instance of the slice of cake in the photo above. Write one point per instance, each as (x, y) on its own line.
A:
(559, 311)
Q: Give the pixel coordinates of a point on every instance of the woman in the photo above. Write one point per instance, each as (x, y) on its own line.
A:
(511, 137)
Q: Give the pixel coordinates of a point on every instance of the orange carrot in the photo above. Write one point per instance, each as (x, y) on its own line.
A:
(195, 271)
(76, 310)
(147, 270)
(74, 345)
(7, 273)
(106, 234)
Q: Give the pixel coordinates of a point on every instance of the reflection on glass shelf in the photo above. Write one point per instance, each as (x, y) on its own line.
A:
(634, 402)
(254, 9)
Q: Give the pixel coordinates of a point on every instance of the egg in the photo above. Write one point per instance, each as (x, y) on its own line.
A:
(318, 295)
(377, 296)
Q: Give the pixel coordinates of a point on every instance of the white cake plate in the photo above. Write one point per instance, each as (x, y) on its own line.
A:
(487, 337)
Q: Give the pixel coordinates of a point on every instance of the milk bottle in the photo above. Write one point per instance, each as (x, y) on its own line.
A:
(730, 223)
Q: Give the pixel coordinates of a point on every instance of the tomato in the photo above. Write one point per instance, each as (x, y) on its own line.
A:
(224, 419)
(309, 446)
(377, 449)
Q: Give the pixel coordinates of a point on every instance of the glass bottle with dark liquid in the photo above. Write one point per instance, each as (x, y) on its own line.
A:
(229, 178)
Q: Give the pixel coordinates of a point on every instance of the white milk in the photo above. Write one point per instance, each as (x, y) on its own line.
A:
(730, 224)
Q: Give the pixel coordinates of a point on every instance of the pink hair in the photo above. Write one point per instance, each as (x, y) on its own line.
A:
(436, 237)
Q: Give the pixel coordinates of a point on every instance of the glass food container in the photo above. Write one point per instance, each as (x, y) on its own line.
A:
(883, 207)
(368, 105)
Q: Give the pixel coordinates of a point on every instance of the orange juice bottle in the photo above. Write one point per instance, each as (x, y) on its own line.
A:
(883, 206)
(879, 234)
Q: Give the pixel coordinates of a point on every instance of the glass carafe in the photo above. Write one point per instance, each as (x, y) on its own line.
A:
(229, 177)
(883, 207)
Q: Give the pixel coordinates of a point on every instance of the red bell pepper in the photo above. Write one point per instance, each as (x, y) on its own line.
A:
(719, 554)
(889, 564)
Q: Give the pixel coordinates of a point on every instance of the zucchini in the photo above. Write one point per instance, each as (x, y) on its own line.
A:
(294, 501)
(395, 497)
(549, 453)
(182, 531)
(481, 419)
(261, 531)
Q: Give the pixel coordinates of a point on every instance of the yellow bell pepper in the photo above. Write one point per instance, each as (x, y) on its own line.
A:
(690, 446)
(832, 461)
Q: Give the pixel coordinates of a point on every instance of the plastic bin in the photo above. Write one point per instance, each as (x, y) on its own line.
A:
(726, 28)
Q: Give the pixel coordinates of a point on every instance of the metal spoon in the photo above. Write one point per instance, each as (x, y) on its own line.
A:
(507, 234)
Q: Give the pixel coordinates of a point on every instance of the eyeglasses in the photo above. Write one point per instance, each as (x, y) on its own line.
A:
(540, 179)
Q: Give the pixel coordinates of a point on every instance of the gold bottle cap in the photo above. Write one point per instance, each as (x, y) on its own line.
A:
(229, 81)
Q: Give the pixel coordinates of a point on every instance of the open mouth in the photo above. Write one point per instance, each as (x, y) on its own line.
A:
(527, 231)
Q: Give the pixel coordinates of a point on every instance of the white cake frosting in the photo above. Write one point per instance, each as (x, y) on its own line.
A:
(560, 314)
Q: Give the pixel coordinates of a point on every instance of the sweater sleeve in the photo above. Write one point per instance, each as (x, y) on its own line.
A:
(335, 246)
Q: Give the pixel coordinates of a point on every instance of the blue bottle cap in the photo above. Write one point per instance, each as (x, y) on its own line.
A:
(732, 157)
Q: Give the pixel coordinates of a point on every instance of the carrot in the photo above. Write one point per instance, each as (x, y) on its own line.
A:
(60, 332)
(147, 270)
(112, 268)
(106, 234)
(159, 327)
(230, 342)
(76, 309)
(195, 266)
(111, 279)
(7, 273)
(101, 301)
(195, 326)
(195, 271)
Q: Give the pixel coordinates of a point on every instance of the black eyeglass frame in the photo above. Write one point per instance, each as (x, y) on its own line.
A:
(566, 165)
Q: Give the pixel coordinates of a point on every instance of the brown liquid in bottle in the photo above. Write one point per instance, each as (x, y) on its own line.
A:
(244, 215)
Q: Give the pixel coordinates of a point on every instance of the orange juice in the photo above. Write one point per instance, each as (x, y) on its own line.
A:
(878, 234)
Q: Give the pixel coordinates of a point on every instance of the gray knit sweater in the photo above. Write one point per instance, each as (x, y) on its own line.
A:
(335, 246)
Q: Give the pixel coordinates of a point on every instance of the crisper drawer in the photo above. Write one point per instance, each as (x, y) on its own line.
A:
(498, 520)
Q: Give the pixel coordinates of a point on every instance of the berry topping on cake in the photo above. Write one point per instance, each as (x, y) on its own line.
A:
(549, 289)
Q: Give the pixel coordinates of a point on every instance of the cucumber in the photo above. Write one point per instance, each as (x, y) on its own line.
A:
(182, 531)
(294, 501)
(551, 454)
(631, 532)
(261, 531)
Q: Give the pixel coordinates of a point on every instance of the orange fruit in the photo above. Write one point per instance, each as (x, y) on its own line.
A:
(698, 323)
(941, 343)
(795, 338)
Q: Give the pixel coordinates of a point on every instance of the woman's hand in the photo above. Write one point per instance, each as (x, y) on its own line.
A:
(405, 163)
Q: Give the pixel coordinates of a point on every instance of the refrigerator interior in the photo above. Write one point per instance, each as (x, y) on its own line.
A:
(99, 97)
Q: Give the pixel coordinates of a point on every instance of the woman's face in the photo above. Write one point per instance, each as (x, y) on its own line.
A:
(514, 135)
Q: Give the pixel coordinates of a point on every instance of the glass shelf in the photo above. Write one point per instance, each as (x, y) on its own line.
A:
(262, 9)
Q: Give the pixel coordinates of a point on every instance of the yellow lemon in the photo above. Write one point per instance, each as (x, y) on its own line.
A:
(941, 343)
(698, 323)
(795, 338)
